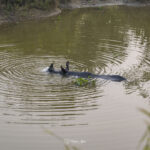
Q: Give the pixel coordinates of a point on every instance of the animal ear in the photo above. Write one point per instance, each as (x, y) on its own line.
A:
(51, 68)
(63, 70)
(67, 65)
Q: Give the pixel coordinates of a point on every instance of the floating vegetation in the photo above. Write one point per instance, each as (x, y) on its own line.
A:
(85, 82)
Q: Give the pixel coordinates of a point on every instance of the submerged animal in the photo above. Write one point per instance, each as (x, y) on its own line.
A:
(66, 72)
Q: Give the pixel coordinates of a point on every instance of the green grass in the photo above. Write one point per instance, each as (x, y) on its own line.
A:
(39, 4)
(67, 146)
(146, 137)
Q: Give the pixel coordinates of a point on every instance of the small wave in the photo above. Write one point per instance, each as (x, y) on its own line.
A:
(45, 69)
(47, 98)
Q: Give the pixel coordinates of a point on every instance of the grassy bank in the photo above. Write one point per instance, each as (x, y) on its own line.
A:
(12, 5)
(18, 10)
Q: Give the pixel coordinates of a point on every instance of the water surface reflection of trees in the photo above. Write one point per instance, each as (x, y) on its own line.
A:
(100, 39)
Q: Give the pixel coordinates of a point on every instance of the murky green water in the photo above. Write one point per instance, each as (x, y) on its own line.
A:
(37, 108)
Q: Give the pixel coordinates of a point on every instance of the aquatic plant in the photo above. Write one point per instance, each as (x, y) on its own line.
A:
(146, 137)
(67, 146)
(85, 82)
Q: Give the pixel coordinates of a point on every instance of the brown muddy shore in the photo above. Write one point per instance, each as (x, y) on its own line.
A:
(35, 14)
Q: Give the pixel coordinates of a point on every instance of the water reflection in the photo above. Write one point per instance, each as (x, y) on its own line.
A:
(110, 40)
(39, 97)
(102, 44)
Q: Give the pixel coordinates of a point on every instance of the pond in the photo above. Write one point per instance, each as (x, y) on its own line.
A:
(43, 111)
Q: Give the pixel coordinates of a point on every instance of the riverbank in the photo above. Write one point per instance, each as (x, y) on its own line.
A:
(22, 15)
(100, 3)
(35, 13)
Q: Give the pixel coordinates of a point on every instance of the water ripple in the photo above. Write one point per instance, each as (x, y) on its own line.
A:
(35, 96)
